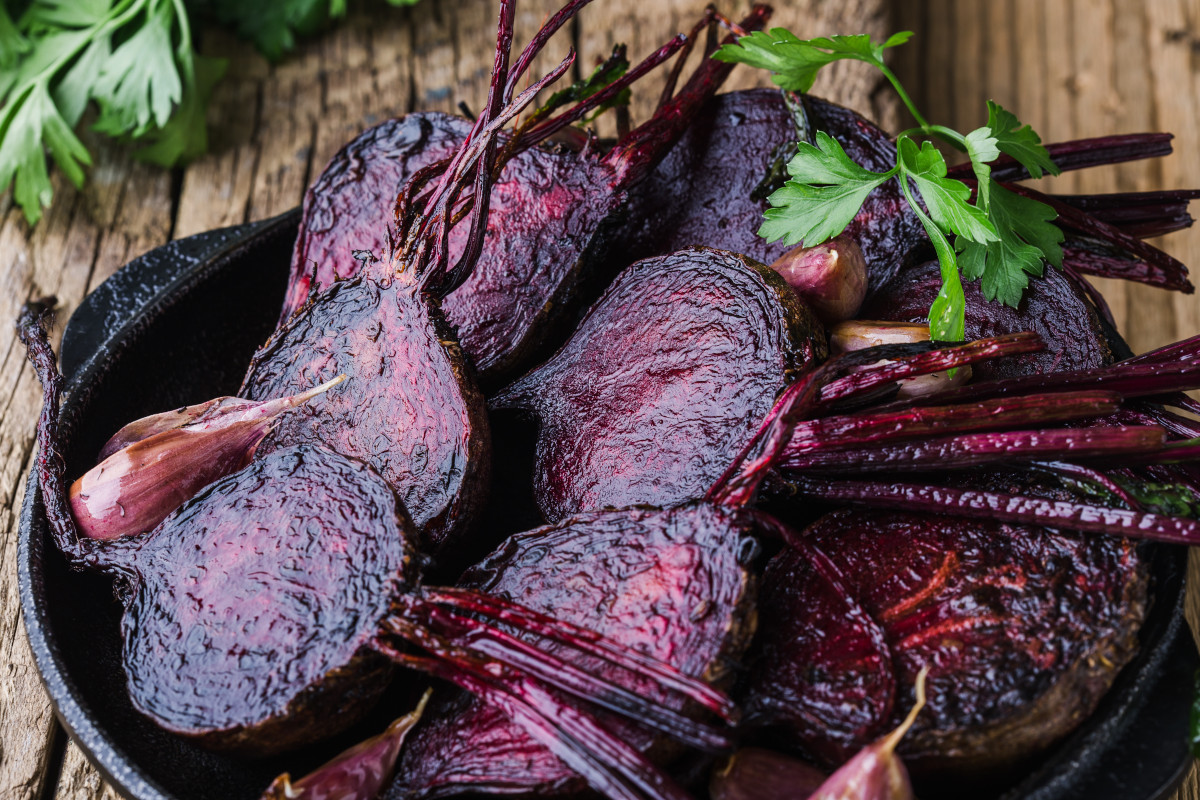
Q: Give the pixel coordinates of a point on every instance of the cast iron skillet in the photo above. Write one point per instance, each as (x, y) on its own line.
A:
(178, 326)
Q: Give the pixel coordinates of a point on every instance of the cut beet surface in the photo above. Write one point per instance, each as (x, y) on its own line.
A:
(822, 682)
(712, 188)
(1053, 307)
(250, 610)
(408, 408)
(675, 585)
(553, 213)
(1022, 629)
(664, 381)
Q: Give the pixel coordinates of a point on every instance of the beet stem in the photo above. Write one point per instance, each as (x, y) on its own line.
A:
(1004, 508)
(589, 642)
(607, 763)
(1080, 154)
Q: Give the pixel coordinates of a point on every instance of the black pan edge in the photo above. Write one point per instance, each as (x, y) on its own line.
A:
(1133, 748)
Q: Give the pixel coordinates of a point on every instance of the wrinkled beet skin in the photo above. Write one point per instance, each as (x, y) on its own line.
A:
(251, 609)
(350, 206)
(673, 584)
(701, 192)
(822, 681)
(549, 217)
(666, 378)
(409, 408)
(1023, 629)
(1052, 307)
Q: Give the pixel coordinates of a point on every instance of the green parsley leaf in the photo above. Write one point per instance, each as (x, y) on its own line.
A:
(12, 44)
(948, 314)
(948, 200)
(826, 190)
(1027, 238)
(29, 120)
(139, 84)
(795, 62)
(47, 15)
(982, 150)
(185, 136)
(1019, 142)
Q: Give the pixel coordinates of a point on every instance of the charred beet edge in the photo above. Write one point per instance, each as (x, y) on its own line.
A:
(1023, 630)
(663, 382)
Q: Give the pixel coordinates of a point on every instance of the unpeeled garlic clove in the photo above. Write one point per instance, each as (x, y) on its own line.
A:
(170, 458)
(860, 334)
(876, 772)
(359, 773)
(831, 277)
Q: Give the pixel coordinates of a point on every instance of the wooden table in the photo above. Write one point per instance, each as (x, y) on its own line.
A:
(1069, 67)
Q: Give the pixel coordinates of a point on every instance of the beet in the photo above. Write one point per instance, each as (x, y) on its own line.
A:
(251, 610)
(1022, 629)
(712, 187)
(672, 584)
(664, 381)
(410, 408)
(1053, 306)
(553, 214)
(822, 682)
(347, 208)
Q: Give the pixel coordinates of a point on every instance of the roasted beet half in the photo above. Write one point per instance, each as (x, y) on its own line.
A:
(1022, 629)
(1053, 306)
(553, 214)
(410, 407)
(250, 610)
(664, 381)
(674, 585)
(348, 206)
(712, 188)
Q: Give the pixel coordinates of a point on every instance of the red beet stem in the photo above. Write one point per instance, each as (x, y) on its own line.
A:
(1163, 270)
(475, 637)
(1184, 349)
(929, 362)
(1081, 154)
(587, 641)
(909, 423)
(542, 130)
(1127, 378)
(535, 45)
(636, 154)
(982, 449)
(1079, 472)
(1140, 214)
(609, 765)
(32, 322)
(1004, 508)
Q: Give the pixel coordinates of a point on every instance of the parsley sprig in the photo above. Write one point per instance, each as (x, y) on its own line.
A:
(999, 239)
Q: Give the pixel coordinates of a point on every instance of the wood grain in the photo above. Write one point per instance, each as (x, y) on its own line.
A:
(1069, 67)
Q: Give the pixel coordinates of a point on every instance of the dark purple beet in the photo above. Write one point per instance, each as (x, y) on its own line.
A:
(251, 610)
(674, 585)
(664, 381)
(552, 215)
(822, 681)
(712, 188)
(1053, 307)
(1022, 629)
(348, 207)
(409, 408)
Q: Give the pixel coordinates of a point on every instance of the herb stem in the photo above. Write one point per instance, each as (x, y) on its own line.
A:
(912, 109)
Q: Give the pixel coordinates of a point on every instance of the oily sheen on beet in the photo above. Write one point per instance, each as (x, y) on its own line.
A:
(711, 189)
(672, 584)
(1022, 629)
(250, 610)
(409, 408)
(664, 381)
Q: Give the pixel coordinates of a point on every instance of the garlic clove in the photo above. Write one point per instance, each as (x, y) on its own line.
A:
(831, 277)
